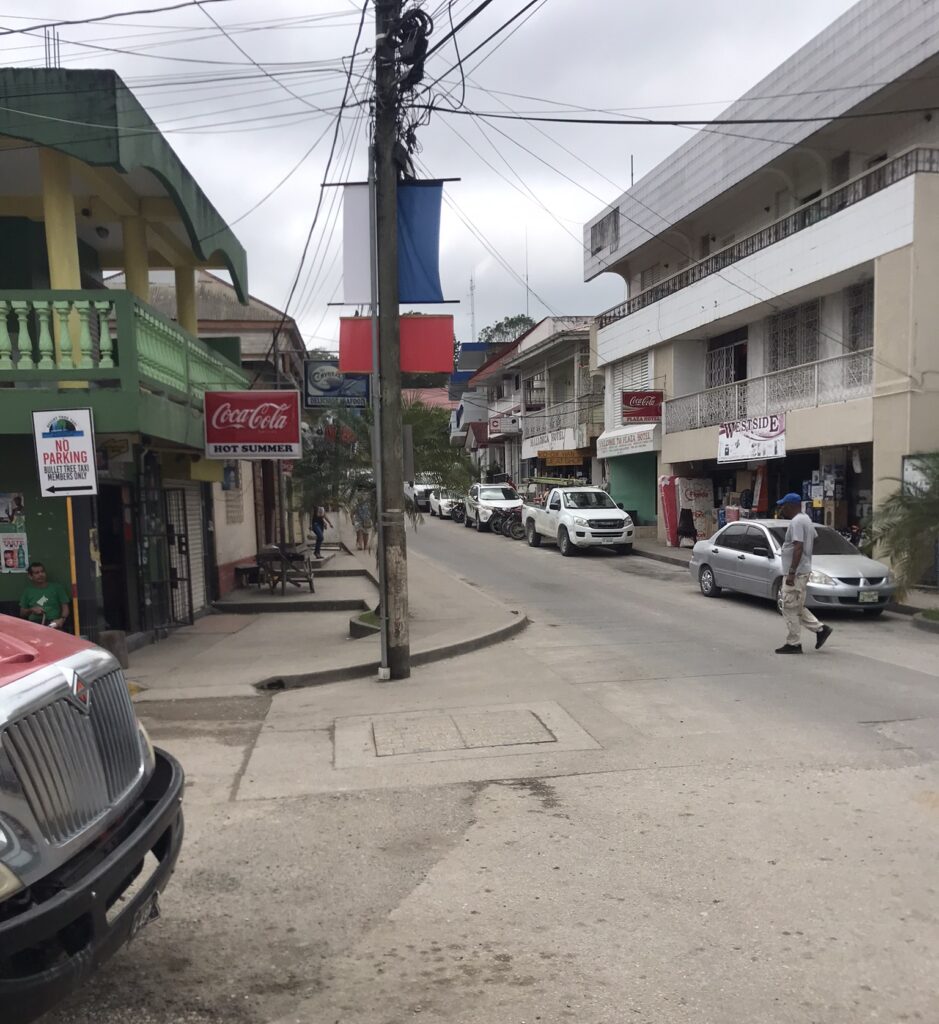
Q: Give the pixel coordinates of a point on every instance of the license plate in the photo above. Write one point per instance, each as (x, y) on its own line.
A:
(867, 597)
(150, 911)
(607, 540)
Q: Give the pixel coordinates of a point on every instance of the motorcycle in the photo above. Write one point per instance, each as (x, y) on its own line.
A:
(512, 525)
(495, 521)
(458, 513)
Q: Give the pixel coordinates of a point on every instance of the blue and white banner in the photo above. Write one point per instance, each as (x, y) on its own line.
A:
(418, 243)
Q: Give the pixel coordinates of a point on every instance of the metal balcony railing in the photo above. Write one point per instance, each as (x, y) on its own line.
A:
(914, 161)
(800, 387)
(105, 339)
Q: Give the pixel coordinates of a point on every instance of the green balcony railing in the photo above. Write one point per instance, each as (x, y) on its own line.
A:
(105, 339)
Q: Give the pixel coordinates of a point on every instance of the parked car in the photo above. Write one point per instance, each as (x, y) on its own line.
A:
(482, 500)
(90, 816)
(443, 502)
(746, 557)
(418, 493)
(578, 517)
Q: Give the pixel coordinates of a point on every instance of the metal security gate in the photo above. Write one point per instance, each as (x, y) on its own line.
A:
(195, 528)
(177, 541)
(151, 547)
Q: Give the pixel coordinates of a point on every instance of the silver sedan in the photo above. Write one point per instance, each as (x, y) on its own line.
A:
(746, 557)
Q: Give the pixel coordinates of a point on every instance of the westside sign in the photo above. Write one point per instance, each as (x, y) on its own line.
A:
(252, 425)
(642, 406)
(762, 437)
(65, 453)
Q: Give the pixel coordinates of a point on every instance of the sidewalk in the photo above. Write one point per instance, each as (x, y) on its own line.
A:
(230, 655)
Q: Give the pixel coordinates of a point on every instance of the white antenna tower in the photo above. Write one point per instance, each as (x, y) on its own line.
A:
(472, 307)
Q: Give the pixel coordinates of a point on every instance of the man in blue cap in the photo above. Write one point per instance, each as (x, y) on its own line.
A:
(797, 566)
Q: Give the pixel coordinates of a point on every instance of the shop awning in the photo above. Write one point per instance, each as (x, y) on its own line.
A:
(631, 440)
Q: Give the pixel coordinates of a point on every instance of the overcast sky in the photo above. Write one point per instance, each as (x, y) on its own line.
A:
(239, 138)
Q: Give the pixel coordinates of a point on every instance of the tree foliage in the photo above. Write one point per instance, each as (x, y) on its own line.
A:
(906, 526)
(337, 470)
(506, 330)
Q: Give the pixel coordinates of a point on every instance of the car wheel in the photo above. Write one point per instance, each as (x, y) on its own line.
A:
(777, 595)
(467, 522)
(564, 542)
(432, 512)
(874, 613)
(480, 528)
(532, 535)
(707, 582)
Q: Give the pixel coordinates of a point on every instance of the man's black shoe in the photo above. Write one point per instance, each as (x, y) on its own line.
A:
(789, 649)
(822, 635)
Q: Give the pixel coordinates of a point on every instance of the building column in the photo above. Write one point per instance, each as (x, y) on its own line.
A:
(58, 212)
(136, 259)
(186, 315)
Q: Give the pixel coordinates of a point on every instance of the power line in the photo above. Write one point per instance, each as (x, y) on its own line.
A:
(107, 17)
(453, 30)
(678, 123)
(319, 200)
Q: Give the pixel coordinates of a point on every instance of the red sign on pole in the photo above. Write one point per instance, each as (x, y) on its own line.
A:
(642, 406)
(252, 425)
(426, 344)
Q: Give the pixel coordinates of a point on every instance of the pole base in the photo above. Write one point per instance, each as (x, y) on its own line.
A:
(384, 673)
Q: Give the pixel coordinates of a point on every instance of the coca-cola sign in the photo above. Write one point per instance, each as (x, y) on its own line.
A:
(642, 406)
(252, 425)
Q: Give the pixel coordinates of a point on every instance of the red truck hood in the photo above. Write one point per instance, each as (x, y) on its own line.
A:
(26, 647)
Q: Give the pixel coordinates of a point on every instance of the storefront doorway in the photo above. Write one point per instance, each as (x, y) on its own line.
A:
(177, 543)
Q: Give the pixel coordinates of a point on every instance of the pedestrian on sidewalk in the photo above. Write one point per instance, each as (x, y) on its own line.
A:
(797, 566)
(43, 601)
(362, 523)
(318, 524)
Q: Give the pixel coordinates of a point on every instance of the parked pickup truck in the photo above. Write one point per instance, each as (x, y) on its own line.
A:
(578, 517)
(90, 816)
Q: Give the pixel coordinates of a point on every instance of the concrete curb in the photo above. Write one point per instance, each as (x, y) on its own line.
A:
(339, 604)
(364, 669)
(929, 625)
(656, 556)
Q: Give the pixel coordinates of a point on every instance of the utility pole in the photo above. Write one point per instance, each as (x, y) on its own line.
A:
(393, 570)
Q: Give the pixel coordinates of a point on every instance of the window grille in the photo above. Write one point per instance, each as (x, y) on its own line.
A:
(859, 316)
(792, 336)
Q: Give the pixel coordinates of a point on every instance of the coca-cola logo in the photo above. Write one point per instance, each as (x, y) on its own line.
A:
(641, 401)
(264, 416)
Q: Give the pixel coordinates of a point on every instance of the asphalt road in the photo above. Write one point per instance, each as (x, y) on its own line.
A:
(740, 837)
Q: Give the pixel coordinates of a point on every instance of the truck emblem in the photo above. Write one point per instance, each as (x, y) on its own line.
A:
(79, 691)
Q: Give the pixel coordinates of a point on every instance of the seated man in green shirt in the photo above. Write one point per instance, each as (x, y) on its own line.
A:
(44, 602)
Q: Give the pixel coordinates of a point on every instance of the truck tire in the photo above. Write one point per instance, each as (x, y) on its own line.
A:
(532, 535)
(565, 544)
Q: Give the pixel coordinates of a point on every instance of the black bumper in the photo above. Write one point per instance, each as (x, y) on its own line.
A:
(74, 920)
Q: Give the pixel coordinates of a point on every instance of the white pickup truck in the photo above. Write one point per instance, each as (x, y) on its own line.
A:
(578, 517)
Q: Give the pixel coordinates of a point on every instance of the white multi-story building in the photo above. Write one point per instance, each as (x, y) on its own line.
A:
(545, 409)
(787, 268)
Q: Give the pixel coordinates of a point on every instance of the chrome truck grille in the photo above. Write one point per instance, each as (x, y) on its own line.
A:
(73, 763)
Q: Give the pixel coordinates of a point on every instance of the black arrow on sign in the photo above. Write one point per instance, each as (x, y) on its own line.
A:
(83, 487)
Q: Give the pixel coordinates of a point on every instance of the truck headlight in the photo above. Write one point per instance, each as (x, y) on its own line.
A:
(628, 521)
(147, 744)
(579, 521)
(816, 576)
(9, 883)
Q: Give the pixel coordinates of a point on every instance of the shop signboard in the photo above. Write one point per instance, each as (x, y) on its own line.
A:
(642, 406)
(325, 387)
(762, 437)
(252, 425)
(573, 457)
(558, 440)
(629, 441)
(65, 453)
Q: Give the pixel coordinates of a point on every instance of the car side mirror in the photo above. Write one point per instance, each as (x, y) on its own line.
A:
(764, 552)
(621, 506)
